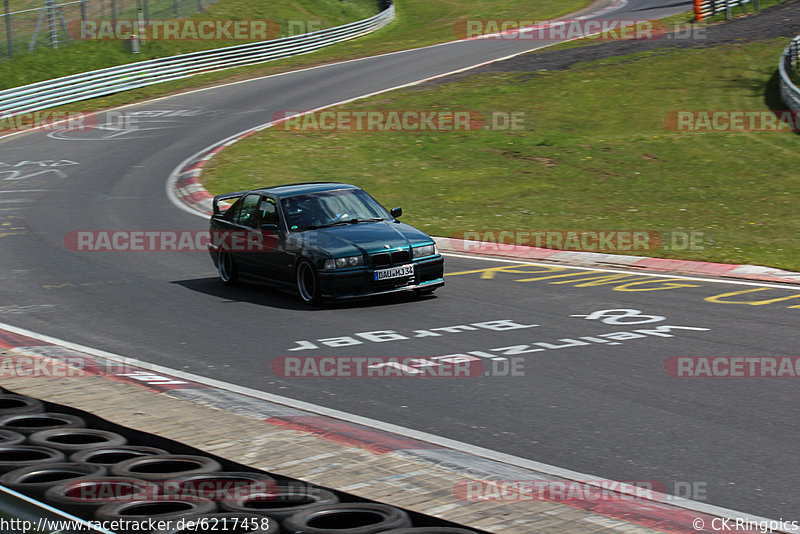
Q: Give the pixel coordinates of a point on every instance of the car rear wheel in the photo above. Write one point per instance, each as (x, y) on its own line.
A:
(228, 273)
(307, 283)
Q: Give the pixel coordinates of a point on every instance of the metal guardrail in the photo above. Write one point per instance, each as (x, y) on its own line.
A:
(789, 63)
(86, 85)
(708, 8)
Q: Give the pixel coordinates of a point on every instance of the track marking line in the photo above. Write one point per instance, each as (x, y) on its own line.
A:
(621, 271)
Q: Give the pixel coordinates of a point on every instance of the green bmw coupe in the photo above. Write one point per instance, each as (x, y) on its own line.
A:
(322, 240)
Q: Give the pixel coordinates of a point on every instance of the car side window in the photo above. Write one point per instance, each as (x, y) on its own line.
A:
(246, 214)
(267, 212)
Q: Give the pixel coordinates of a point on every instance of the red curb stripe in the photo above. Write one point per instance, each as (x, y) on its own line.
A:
(157, 386)
(664, 518)
(194, 166)
(531, 253)
(701, 267)
(345, 433)
(10, 340)
(198, 196)
(185, 182)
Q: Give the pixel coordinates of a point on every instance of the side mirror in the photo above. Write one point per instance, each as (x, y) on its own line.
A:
(396, 212)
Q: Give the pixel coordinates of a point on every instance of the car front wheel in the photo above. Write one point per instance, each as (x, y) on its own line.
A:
(307, 283)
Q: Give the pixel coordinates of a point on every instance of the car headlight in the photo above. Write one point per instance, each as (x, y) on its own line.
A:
(425, 250)
(341, 263)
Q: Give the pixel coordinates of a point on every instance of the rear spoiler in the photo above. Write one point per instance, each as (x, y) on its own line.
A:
(226, 196)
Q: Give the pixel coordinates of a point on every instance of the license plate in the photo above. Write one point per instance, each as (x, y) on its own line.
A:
(394, 272)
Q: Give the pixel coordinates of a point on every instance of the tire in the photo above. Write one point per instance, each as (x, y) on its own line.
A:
(9, 437)
(28, 423)
(35, 480)
(12, 404)
(143, 512)
(83, 496)
(16, 456)
(286, 500)
(69, 440)
(226, 268)
(228, 523)
(109, 456)
(430, 530)
(220, 486)
(347, 518)
(307, 283)
(165, 467)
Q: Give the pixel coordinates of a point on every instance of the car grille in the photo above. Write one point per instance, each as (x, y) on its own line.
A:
(393, 283)
(389, 259)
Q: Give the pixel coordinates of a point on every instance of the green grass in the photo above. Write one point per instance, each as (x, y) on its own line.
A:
(594, 154)
(80, 56)
(418, 23)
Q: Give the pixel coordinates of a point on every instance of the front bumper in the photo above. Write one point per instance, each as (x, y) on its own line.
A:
(428, 275)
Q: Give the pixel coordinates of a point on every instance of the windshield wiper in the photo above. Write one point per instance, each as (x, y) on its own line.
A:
(356, 221)
(342, 223)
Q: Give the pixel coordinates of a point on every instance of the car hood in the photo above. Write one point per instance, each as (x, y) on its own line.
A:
(368, 237)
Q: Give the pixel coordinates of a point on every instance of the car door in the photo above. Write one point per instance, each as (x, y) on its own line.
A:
(242, 224)
(267, 240)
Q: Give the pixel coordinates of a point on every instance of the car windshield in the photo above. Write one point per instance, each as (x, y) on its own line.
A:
(330, 208)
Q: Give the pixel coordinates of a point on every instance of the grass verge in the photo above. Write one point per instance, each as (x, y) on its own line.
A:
(594, 154)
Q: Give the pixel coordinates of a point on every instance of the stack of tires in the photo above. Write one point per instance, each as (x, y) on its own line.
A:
(102, 475)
